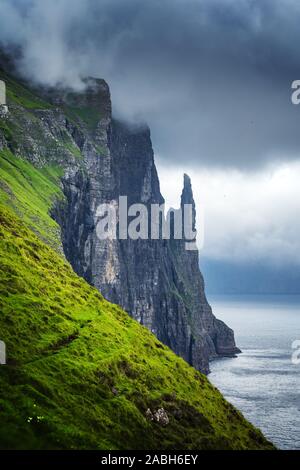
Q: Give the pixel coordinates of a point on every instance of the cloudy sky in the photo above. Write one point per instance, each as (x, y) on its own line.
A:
(212, 78)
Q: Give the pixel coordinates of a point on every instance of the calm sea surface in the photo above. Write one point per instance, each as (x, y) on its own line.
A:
(262, 382)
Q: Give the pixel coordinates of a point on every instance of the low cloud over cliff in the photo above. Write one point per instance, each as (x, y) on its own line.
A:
(213, 80)
(211, 77)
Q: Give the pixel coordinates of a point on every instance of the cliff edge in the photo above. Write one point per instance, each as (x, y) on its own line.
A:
(158, 282)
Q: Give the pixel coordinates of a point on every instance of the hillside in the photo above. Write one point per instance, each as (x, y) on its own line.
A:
(80, 373)
(72, 137)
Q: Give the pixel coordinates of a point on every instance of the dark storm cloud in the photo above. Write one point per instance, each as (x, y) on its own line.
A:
(212, 77)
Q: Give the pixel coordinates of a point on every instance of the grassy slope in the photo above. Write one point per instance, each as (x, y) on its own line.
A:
(18, 93)
(25, 107)
(31, 192)
(80, 372)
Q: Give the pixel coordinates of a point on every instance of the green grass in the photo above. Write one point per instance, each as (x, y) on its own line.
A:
(7, 131)
(71, 147)
(81, 373)
(31, 192)
(20, 94)
(89, 116)
(26, 115)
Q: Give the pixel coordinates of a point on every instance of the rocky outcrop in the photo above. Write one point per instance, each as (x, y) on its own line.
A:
(156, 281)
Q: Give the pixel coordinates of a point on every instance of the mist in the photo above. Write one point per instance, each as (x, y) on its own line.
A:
(241, 219)
(212, 78)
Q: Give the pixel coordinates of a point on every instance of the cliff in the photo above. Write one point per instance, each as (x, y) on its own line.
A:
(80, 373)
(157, 282)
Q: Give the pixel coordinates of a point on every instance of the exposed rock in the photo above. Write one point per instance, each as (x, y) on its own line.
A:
(158, 282)
(149, 415)
(161, 417)
(3, 111)
(3, 143)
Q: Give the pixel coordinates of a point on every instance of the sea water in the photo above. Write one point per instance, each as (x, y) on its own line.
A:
(263, 382)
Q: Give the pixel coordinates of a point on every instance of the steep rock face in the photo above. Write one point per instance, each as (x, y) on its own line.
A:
(158, 282)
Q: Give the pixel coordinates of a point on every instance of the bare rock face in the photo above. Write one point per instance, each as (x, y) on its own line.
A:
(159, 416)
(158, 282)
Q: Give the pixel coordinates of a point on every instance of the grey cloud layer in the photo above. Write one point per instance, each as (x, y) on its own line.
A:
(212, 77)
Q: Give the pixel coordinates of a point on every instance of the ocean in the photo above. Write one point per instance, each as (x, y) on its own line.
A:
(262, 382)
